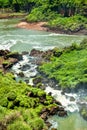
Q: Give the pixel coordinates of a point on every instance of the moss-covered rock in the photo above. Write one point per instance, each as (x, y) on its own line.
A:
(23, 104)
(83, 113)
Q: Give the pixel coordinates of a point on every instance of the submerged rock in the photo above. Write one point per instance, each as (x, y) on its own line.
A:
(83, 112)
(25, 67)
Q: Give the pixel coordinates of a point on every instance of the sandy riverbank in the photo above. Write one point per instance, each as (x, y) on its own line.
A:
(33, 26)
(41, 27)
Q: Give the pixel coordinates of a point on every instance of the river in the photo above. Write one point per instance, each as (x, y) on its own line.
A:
(16, 39)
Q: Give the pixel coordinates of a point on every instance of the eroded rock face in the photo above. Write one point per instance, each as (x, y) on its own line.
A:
(9, 63)
(8, 59)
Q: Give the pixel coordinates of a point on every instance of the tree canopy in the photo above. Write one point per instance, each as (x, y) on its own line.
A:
(65, 7)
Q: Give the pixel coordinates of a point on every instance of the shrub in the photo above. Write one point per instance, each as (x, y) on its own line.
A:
(37, 124)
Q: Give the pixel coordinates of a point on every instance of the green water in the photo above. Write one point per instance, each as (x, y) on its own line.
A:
(20, 40)
(24, 40)
(72, 122)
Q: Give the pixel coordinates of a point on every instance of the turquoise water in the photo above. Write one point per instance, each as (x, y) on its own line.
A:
(72, 122)
(24, 40)
(17, 39)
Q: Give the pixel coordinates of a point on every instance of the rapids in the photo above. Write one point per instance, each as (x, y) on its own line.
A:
(16, 39)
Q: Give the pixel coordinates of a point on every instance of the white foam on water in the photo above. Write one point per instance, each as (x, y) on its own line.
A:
(30, 82)
(70, 101)
(55, 34)
(7, 44)
(44, 47)
(24, 61)
(69, 105)
(54, 124)
(28, 73)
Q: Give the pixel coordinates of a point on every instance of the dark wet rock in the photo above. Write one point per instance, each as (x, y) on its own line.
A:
(67, 90)
(25, 67)
(72, 99)
(35, 53)
(63, 93)
(41, 55)
(27, 81)
(30, 94)
(62, 113)
(50, 93)
(4, 52)
(48, 124)
(42, 99)
(37, 80)
(21, 74)
(57, 102)
(81, 85)
(83, 112)
(53, 110)
(14, 55)
(25, 53)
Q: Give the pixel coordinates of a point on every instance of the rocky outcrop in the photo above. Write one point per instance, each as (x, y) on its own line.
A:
(4, 52)
(41, 56)
(46, 112)
(14, 55)
(8, 64)
(7, 59)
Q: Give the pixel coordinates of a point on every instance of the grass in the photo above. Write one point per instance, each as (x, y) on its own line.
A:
(69, 68)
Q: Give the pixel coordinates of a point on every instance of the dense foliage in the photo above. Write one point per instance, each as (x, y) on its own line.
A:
(65, 7)
(19, 110)
(56, 12)
(68, 66)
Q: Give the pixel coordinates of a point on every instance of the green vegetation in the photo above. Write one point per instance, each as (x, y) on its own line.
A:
(20, 104)
(66, 15)
(70, 24)
(68, 66)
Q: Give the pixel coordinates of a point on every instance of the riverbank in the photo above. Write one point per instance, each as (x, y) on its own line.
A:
(42, 26)
(12, 15)
(34, 26)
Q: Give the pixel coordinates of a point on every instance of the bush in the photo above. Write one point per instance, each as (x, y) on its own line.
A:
(37, 124)
(73, 24)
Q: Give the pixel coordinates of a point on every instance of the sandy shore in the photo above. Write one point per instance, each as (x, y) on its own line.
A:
(40, 26)
(33, 26)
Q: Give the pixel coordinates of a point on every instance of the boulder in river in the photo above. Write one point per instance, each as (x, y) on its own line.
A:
(14, 55)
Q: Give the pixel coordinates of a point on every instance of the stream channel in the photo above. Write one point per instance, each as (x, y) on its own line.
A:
(16, 39)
